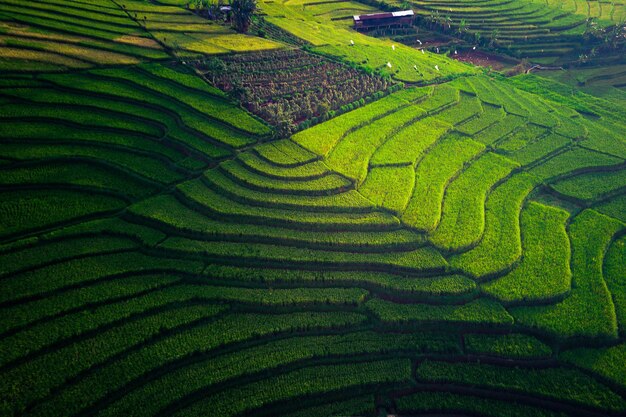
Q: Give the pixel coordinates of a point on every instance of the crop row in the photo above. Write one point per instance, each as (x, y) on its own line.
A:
(105, 35)
(271, 356)
(427, 401)
(119, 148)
(590, 235)
(323, 138)
(68, 361)
(561, 384)
(441, 288)
(500, 245)
(542, 274)
(360, 405)
(352, 154)
(389, 186)
(254, 162)
(208, 104)
(192, 121)
(613, 207)
(510, 345)
(490, 115)
(572, 161)
(229, 197)
(162, 297)
(613, 264)
(409, 144)
(76, 174)
(421, 260)
(539, 149)
(42, 281)
(438, 167)
(23, 212)
(321, 379)
(593, 185)
(478, 313)
(164, 352)
(463, 215)
(284, 153)
(167, 213)
(325, 185)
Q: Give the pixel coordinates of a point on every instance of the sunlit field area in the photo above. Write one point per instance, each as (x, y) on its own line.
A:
(311, 208)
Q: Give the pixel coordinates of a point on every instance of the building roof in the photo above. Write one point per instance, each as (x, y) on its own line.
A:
(383, 15)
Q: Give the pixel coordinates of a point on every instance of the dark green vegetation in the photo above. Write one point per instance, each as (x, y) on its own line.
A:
(289, 89)
(456, 247)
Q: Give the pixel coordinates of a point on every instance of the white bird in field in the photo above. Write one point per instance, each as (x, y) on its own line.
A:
(422, 50)
(455, 52)
(393, 47)
(418, 41)
(437, 67)
(389, 64)
(415, 66)
(474, 48)
(351, 42)
(437, 50)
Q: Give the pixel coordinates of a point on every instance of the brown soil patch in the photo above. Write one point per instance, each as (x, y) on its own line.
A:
(482, 59)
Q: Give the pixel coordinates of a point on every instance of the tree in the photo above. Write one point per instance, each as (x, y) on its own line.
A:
(215, 67)
(462, 27)
(495, 34)
(242, 14)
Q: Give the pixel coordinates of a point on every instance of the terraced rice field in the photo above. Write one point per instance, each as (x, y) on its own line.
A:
(332, 37)
(457, 247)
(545, 31)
